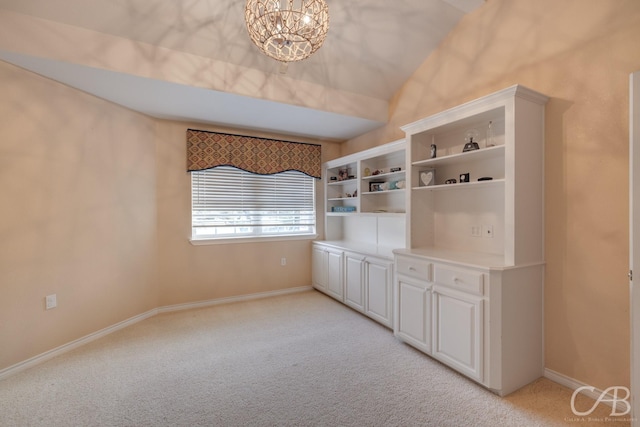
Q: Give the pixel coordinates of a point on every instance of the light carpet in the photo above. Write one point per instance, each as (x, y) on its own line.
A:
(294, 360)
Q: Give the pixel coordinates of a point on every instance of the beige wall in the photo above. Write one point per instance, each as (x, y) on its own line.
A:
(580, 53)
(194, 273)
(95, 207)
(77, 214)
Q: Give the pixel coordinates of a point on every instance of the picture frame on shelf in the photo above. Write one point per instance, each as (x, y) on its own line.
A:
(376, 186)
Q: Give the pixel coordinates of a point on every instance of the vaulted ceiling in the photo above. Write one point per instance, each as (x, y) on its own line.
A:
(193, 60)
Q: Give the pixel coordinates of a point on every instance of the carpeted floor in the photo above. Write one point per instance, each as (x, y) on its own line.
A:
(295, 360)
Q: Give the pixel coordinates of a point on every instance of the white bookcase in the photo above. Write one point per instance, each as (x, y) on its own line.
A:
(365, 197)
(365, 201)
(501, 217)
(456, 269)
(469, 283)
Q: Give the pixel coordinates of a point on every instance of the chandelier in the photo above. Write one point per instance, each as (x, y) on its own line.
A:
(287, 30)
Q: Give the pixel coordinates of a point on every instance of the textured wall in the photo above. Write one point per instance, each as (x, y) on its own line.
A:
(580, 53)
(96, 208)
(190, 273)
(77, 214)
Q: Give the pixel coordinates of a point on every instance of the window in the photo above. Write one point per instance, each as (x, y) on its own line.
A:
(230, 203)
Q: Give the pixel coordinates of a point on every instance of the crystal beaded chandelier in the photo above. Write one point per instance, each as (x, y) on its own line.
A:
(287, 30)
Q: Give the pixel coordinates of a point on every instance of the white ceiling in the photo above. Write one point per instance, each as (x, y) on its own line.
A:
(372, 48)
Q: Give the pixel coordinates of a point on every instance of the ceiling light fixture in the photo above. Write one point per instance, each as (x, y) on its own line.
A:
(287, 30)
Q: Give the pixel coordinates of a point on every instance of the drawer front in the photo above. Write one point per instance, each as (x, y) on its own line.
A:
(418, 269)
(465, 280)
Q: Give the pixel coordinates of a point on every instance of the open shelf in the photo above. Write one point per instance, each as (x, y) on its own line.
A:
(385, 175)
(342, 182)
(443, 215)
(460, 186)
(379, 217)
(368, 214)
(369, 193)
(470, 156)
(342, 198)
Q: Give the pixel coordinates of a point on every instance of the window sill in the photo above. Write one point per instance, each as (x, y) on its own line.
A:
(253, 239)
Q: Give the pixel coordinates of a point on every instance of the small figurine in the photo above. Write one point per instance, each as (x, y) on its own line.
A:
(470, 144)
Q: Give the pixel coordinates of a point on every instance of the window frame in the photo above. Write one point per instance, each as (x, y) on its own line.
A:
(248, 238)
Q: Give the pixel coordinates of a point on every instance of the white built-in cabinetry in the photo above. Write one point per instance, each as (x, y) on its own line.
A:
(466, 282)
(413, 302)
(356, 275)
(474, 256)
(365, 201)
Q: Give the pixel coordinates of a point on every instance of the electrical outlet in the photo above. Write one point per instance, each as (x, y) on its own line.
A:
(51, 301)
(487, 231)
(283, 261)
(476, 231)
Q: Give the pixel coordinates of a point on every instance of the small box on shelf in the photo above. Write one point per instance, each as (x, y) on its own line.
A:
(343, 209)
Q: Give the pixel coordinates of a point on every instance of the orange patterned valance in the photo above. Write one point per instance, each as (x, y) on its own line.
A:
(206, 150)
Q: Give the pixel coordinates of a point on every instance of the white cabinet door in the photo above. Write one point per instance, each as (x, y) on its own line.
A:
(354, 280)
(378, 290)
(413, 305)
(334, 274)
(319, 268)
(457, 330)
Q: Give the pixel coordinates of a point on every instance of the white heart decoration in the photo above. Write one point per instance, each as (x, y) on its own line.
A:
(426, 177)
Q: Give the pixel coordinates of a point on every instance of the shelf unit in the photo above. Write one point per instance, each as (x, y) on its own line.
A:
(364, 182)
(365, 196)
(451, 216)
(469, 283)
(341, 187)
(355, 264)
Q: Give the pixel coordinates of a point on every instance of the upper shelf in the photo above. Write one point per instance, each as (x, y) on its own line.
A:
(459, 186)
(481, 154)
(397, 190)
(384, 175)
(342, 182)
(377, 214)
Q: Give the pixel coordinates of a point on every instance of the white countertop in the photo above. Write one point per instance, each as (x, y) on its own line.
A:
(361, 247)
(472, 259)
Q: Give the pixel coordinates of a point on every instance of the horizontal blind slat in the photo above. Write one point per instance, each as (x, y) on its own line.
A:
(228, 201)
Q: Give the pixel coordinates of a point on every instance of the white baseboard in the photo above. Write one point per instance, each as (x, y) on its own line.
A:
(574, 384)
(48, 355)
(218, 301)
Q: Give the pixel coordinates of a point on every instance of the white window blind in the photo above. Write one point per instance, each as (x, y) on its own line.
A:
(228, 202)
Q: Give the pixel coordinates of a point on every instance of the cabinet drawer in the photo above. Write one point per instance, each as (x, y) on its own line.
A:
(415, 268)
(466, 280)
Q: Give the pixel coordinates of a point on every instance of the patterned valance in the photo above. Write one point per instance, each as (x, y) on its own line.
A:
(206, 150)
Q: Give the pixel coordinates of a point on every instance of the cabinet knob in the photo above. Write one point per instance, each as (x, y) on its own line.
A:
(456, 280)
(412, 268)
